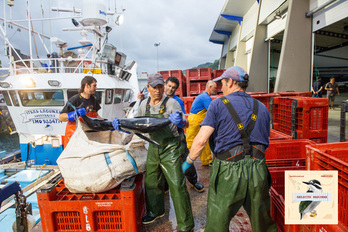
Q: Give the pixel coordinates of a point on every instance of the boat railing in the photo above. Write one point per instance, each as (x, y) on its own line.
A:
(57, 65)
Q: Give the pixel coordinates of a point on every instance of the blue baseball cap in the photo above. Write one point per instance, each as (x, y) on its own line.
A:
(235, 73)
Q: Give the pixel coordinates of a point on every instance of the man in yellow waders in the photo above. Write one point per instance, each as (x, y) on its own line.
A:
(197, 113)
(164, 161)
(240, 129)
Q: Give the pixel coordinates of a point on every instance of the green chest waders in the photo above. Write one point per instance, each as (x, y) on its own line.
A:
(164, 161)
(239, 177)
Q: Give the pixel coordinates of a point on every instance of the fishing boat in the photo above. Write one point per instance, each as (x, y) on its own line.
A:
(36, 89)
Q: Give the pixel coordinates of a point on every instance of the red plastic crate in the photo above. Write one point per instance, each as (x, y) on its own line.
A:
(265, 99)
(216, 74)
(293, 93)
(188, 103)
(114, 210)
(330, 228)
(301, 117)
(198, 74)
(213, 97)
(277, 135)
(256, 93)
(165, 74)
(277, 198)
(195, 88)
(278, 207)
(332, 156)
(282, 153)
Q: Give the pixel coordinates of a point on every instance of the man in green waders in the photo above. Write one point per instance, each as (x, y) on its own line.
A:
(164, 161)
(240, 129)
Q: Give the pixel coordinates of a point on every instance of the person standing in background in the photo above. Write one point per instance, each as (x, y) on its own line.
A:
(332, 90)
(317, 88)
(197, 113)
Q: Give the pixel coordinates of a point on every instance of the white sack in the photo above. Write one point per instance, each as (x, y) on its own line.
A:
(84, 166)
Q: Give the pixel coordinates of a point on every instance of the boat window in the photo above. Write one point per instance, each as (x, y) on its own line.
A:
(127, 95)
(108, 96)
(7, 98)
(118, 94)
(72, 92)
(14, 98)
(41, 97)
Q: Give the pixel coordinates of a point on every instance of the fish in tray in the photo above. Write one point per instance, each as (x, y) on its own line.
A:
(136, 125)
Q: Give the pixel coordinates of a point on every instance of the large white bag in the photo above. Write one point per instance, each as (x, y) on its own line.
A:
(91, 167)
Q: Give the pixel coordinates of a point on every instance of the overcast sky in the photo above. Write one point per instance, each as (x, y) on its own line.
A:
(182, 27)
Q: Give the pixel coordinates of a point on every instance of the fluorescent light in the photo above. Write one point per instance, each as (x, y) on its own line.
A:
(54, 83)
(5, 84)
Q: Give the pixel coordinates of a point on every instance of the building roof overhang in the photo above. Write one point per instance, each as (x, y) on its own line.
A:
(231, 15)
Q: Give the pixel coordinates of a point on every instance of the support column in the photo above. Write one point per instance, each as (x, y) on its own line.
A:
(295, 59)
(259, 62)
(241, 57)
(229, 56)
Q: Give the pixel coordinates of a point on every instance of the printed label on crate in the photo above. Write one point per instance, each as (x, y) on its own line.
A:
(311, 197)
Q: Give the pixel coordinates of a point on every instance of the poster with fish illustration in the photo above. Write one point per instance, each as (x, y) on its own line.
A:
(311, 197)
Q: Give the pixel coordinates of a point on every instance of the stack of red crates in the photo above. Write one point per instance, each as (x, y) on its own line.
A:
(181, 91)
(196, 80)
(277, 198)
(332, 156)
(188, 103)
(216, 74)
(114, 210)
(301, 117)
(278, 206)
(282, 155)
(265, 99)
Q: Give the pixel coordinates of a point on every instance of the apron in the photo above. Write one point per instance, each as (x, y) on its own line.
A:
(194, 126)
(71, 126)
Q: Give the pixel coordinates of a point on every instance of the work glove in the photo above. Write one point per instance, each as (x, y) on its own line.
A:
(80, 112)
(177, 119)
(186, 164)
(116, 125)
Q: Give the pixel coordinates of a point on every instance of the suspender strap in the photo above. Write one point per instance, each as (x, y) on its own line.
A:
(253, 117)
(244, 133)
(238, 122)
(162, 107)
(148, 105)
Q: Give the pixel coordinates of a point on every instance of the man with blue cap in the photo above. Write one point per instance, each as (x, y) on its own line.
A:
(238, 127)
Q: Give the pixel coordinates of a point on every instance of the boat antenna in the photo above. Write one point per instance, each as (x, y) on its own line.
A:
(32, 32)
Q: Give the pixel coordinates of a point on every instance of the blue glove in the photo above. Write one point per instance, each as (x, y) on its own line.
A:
(116, 125)
(185, 165)
(176, 119)
(80, 112)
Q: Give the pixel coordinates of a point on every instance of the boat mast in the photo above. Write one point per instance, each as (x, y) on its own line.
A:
(29, 26)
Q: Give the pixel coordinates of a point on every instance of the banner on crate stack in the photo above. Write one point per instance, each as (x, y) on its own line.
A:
(311, 197)
(98, 162)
